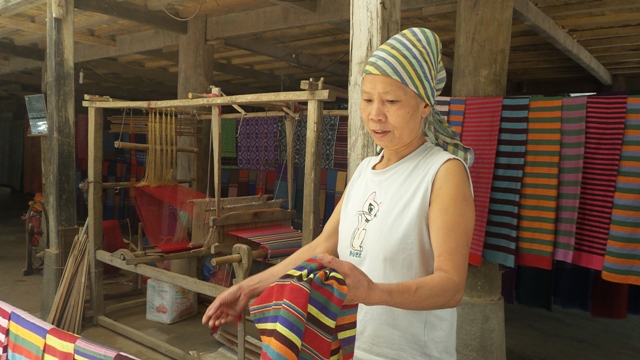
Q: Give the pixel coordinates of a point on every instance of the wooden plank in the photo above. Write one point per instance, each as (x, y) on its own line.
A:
(150, 341)
(161, 257)
(187, 282)
(12, 7)
(606, 33)
(592, 22)
(278, 52)
(300, 5)
(372, 24)
(94, 194)
(41, 29)
(598, 7)
(251, 216)
(25, 52)
(611, 42)
(245, 72)
(132, 12)
(528, 13)
(266, 98)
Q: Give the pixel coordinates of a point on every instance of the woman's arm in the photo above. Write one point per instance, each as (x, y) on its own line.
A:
(451, 219)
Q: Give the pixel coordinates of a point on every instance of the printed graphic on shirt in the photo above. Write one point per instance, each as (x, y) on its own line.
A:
(369, 211)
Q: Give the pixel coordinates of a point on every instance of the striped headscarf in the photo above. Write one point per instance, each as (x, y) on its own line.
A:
(414, 58)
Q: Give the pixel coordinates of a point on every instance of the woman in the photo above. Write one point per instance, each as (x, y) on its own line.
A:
(400, 234)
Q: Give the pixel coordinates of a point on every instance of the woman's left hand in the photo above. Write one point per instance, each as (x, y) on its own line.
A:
(360, 286)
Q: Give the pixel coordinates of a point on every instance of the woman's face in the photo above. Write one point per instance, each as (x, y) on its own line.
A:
(393, 113)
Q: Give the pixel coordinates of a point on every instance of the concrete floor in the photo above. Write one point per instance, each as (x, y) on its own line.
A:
(531, 334)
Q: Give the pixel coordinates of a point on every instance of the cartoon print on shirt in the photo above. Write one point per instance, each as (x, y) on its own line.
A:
(369, 211)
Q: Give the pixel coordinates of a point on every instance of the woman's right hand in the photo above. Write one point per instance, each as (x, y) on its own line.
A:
(226, 308)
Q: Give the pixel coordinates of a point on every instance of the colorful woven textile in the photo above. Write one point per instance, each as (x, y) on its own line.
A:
(329, 133)
(455, 116)
(480, 132)
(622, 257)
(277, 240)
(301, 315)
(574, 112)
(5, 314)
(124, 356)
(88, 350)
(502, 220)
(229, 151)
(442, 104)
(539, 192)
(603, 143)
(27, 335)
(258, 143)
(330, 196)
(341, 185)
(340, 153)
(59, 345)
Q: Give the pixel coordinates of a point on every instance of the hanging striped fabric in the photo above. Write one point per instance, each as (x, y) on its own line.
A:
(340, 153)
(539, 191)
(622, 257)
(603, 142)
(574, 112)
(229, 152)
(502, 219)
(88, 350)
(5, 314)
(455, 116)
(301, 315)
(480, 132)
(59, 345)
(341, 185)
(442, 105)
(27, 335)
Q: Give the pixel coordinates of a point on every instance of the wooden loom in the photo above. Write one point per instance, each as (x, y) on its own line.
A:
(226, 213)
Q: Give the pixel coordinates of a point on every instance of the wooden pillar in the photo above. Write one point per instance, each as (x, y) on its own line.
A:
(195, 71)
(313, 158)
(59, 147)
(94, 194)
(481, 57)
(372, 23)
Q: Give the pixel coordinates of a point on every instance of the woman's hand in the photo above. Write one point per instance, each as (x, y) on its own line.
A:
(361, 288)
(226, 308)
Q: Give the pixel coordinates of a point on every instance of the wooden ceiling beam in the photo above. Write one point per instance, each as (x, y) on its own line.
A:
(598, 7)
(593, 22)
(12, 7)
(304, 5)
(24, 52)
(623, 40)
(279, 52)
(606, 33)
(41, 29)
(526, 12)
(132, 12)
(245, 72)
(79, 25)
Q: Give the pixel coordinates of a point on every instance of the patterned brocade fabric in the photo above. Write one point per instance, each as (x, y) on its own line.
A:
(302, 316)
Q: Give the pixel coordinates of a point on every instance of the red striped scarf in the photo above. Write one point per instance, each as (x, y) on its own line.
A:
(622, 257)
(59, 345)
(603, 142)
(302, 316)
(539, 191)
(574, 111)
(480, 132)
(5, 314)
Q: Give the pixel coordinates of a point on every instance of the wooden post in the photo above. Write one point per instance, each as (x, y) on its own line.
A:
(195, 69)
(483, 37)
(94, 193)
(60, 180)
(372, 23)
(313, 158)
(288, 122)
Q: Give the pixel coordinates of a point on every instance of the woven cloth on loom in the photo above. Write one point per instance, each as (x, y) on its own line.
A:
(574, 112)
(258, 143)
(59, 345)
(158, 208)
(340, 153)
(5, 314)
(622, 257)
(539, 191)
(480, 132)
(88, 350)
(455, 117)
(27, 335)
(302, 316)
(603, 142)
(229, 150)
(442, 105)
(329, 132)
(502, 220)
(276, 240)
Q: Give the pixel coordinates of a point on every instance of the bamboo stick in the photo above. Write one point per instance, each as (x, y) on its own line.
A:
(145, 147)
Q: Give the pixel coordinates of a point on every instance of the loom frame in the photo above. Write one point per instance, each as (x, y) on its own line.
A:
(315, 98)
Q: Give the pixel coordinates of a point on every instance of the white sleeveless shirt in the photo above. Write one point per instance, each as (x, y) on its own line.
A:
(384, 231)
